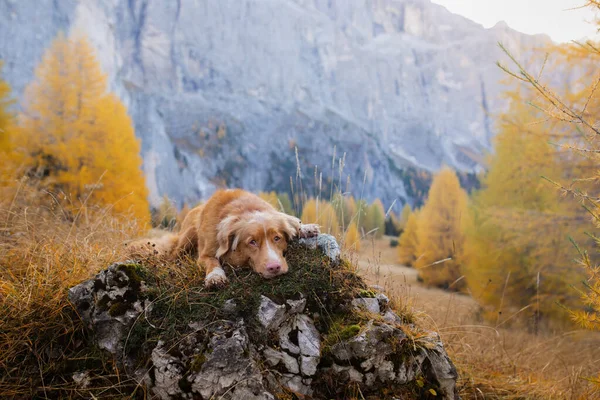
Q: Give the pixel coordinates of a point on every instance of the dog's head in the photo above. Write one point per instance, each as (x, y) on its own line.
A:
(258, 239)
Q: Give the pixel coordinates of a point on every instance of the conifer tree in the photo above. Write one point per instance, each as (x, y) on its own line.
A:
(309, 212)
(321, 213)
(404, 215)
(285, 204)
(440, 236)
(76, 138)
(271, 198)
(352, 238)
(408, 241)
(375, 219)
(517, 254)
(5, 115)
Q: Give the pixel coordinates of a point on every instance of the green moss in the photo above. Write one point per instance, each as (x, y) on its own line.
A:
(197, 362)
(135, 273)
(349, 332)
(367, 294)
(326, 287)
(118, 308)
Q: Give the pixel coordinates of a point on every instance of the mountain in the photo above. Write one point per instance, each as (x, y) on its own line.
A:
(223, 91)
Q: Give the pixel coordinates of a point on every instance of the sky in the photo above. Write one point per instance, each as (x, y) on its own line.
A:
(556, 18)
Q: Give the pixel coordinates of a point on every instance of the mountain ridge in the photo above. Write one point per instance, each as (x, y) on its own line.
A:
(222, 93)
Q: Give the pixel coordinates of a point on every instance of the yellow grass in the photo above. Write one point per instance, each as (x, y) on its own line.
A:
(494, 361)
(44, 252)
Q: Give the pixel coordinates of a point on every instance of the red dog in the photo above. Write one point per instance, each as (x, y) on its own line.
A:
(238, 228)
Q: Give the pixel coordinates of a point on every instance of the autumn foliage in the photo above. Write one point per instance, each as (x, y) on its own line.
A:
(75, 139)
(408, 242)
(440, 239)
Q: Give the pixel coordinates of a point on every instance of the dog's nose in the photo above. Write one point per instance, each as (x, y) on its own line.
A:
(273, 267)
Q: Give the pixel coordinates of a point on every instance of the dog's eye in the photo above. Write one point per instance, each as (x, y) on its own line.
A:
(253, 243)
(276, 239)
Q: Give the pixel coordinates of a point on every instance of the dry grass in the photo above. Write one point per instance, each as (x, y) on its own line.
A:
(494, 362)
(44, 252)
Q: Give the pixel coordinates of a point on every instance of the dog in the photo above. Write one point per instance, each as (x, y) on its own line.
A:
(237, 228)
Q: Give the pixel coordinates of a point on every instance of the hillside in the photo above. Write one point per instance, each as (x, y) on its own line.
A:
(223, 91)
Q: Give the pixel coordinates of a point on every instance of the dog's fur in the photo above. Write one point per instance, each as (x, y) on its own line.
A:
(233, 227)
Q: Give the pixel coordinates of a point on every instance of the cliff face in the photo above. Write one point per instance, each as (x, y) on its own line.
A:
(223, 90)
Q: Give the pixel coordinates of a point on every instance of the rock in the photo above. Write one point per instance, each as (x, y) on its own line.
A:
(82, 379)
(168, 371)
(270, 315)
(368, 304)
(296, 306)
(273, 357)
(296, 67)
(245, 345)
(230, 369)
(110, 303)
(326, 243)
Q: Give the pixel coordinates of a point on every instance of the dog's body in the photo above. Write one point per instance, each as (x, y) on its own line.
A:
(238, 228)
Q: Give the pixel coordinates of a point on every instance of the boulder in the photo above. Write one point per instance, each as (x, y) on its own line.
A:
(317, 332)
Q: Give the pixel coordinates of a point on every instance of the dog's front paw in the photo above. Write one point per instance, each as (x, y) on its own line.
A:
(309, 230)
(216, 278)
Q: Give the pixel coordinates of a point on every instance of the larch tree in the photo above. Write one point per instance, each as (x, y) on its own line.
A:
(517, 255)
(77, 139)
(375, 219)
(440, 232)
(271, 198)
(321, 213)
(564, 120)
(404, 215)
(408, 241)
(352, 238)
(6, 117)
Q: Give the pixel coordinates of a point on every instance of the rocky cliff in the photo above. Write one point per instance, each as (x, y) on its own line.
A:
(222, 91)
(316, 332)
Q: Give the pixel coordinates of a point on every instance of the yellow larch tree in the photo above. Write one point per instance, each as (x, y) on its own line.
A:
(321, 213)
(408, 241)
(374, 221)
(404, 215)
(566, 116)
(440, 232)
(352, 238)
(517, 255)
(77, 139)
(5, 115)
(271, 198)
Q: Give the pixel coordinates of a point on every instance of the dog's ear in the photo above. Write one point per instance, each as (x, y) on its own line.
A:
(227, 235)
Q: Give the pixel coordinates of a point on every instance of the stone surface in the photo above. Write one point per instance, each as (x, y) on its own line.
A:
(110, 303)
(326, 243)
(367, 304)
(281, 344)
(270, 315)
(225, 89)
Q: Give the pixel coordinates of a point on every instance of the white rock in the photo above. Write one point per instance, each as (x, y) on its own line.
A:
(368, 304)
(274, 357)
(270, 314)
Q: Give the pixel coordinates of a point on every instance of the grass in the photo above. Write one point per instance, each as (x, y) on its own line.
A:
(44, 252)
(42, 255)
(494, 362)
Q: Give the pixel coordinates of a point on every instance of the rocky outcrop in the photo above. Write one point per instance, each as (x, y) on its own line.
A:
(317, 332)
(221, 91)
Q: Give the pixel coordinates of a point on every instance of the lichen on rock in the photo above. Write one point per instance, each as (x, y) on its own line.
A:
(316, 332)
